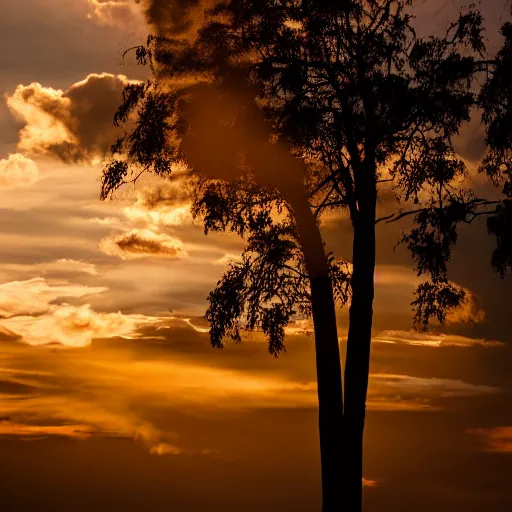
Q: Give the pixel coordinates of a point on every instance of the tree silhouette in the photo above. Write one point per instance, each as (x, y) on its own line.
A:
(286, 110)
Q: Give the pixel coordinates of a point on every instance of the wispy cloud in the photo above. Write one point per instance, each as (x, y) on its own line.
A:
(432, 339)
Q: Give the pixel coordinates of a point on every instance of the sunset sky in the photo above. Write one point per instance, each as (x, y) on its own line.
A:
(111, 397)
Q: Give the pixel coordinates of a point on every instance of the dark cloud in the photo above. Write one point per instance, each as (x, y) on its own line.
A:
(143, 242)
(76, 124)
(176, 17)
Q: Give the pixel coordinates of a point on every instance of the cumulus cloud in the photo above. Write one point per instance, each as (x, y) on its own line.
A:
(75, 326)
(36, 296)
(432, 339)
(115, 12)
(75, 124)
(37, 312)
(18, 171)
(139, 243)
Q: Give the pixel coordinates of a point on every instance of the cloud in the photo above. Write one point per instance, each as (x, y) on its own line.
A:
(468, 313)
(10, 428)
(161, 206)
(35, 296)
(370, 483)
(18, 171)
(399, 282)
(177, 18)
(63, 266)
(74, 125)
(38, 313)
(432, 339)
(496, 439)
(139, 388)
(427, 388)
(138, 243)
(121, 13)
(75, 326)
(165, 449)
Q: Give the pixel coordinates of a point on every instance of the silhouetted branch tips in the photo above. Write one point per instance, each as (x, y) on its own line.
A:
(434, 300)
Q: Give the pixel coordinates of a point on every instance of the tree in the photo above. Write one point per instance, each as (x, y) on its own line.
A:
(300, 108)
(495, 100)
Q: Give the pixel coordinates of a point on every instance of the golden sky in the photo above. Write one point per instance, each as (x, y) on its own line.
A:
(111, 397)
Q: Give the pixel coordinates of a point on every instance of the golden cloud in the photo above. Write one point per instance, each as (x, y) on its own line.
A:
(74, 125)
(179, 18)
(370, 483)
(496, 439)
(35, 296)
(161, 206)
(165, 449)
(63, 266)
(115, 12)
(10, 428)
(139, 243)
(75, 326)
(121, 388)
(18, 171)
(432, 339)
(402, 280)
(469, 312)
(37, 312)
(428, 387)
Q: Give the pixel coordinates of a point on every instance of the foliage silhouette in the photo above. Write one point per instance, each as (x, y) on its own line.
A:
(283, 111)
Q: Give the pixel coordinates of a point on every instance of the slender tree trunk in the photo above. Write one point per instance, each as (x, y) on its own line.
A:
(357, 363)
(330, 401)
(328, 363)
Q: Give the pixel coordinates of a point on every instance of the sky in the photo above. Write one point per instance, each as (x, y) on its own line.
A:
(111, 397)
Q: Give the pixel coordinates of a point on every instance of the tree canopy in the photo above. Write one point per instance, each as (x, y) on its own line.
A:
(349, 89)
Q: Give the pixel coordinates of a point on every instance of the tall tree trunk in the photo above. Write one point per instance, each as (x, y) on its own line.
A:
(330, 398)
(357, 365)
(328, 363)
